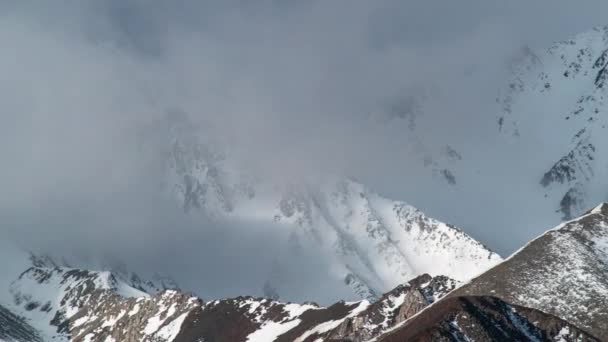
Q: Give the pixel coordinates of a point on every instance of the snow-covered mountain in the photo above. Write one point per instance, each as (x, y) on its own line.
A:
(40, 298)
(371, 242)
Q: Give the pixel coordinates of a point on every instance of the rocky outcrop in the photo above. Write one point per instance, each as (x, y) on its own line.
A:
(393, 307)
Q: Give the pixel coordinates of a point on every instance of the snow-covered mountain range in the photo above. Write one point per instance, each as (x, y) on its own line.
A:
(553, 289)
(47, 302)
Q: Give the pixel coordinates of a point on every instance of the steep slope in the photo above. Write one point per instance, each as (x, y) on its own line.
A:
(564, 273)
(564, 88)
(484, 319)
(372, 243)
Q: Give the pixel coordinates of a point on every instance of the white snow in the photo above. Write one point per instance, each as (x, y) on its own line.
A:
(135, 310)
(110, 322)
(295, 310)
(153, 325)
(563, 334)
(329, 325)
(170, 330)
(269, 331)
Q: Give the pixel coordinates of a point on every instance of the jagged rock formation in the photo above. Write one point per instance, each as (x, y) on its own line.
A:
(393, 307)
(49, 302)
(258, 319)
(107, 316)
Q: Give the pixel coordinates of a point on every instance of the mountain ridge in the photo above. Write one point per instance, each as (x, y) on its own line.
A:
(562, 272)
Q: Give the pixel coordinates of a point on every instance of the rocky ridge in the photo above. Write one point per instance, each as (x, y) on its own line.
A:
(564, 272)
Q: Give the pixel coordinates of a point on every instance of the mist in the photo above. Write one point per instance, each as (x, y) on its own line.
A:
(295, 90)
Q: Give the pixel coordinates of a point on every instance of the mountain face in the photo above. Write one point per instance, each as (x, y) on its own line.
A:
(372, 243)
(564, 272)
(564, 88)
(539, 140)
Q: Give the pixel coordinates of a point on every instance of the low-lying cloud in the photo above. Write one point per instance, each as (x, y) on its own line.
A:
(294, 88)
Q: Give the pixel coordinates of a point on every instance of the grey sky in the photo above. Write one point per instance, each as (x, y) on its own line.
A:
(289, 84)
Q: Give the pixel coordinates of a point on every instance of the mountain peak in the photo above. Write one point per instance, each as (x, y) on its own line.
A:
(375, 242)
(600, 209)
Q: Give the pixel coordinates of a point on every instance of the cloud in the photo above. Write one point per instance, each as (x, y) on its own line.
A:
(293, 88)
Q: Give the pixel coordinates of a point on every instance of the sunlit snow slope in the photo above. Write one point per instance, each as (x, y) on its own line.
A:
(372, 243)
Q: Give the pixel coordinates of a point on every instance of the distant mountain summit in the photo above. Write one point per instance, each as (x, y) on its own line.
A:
(374, 243)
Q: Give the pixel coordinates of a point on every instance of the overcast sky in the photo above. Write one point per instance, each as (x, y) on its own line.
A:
(289, 84)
